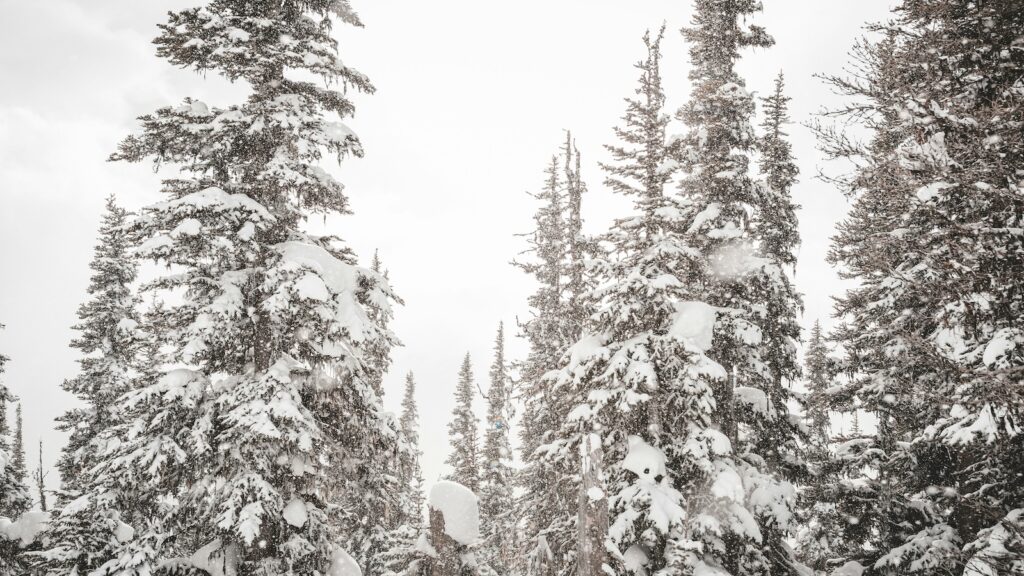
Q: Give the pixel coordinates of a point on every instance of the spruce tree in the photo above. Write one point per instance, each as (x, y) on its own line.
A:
(264, 421)
(84, 527)
(777, 237)
(639, 382)
(744, 233)
(931, 330)
(18, 446)
(14, 495)
(547, 506)
(462, 432)
(411, 473)
(817, 541)
(496, 500)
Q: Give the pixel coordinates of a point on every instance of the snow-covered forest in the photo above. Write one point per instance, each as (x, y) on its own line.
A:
(668, 397)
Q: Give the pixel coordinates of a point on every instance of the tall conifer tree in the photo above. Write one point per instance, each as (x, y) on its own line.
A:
(932, 329)
(109, 341)
(411, 471)
(744, 232)
(18, 446)
(247, 445)
(496, 501)
(14, 496)
(544, 503)
(462, 432)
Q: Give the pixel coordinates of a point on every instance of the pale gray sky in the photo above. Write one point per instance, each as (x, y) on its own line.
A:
(472, 99)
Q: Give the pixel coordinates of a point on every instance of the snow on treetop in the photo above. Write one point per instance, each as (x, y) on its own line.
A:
(644, 460)
(694, 322)
(459, 507)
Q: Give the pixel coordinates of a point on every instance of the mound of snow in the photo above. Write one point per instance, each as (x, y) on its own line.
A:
(644, 460)
(295, 512)
(635, 560)
(694, 322)
(26, 528)
(343, 565)
(460, 509)
(216, 560)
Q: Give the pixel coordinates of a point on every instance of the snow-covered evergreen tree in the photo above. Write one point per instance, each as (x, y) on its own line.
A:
(744, 233)
(411, 473)
(83, 529)
(264, 420)
(14, 496)
(777, 238)
(18, 446)
(379, 350)
(496, 502)
(463, 435)
(932, 331)
(639, 381)
(547, 506)
(818, 539)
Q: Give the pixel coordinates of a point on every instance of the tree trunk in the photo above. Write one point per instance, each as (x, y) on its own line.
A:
(593, 510)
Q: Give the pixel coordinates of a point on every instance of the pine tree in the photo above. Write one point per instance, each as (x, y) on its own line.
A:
(109, 342)
(637, 381)
(931, 330)
(411, 472)
(264, 421)
(818, 381)
(547, 506)
(462, 432)
(18, 446)
(379, 352)
(496, 475)
(14, 496)
(817, 541)
(744, 233)
(777, 236)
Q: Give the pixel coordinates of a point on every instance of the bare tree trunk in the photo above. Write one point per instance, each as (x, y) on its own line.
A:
(40, 478)
(593, 510)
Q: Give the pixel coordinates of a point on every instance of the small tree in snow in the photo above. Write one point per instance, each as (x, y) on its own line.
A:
(496, 502)
(462, 432)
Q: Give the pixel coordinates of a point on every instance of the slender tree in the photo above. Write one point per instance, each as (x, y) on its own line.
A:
(39, 477)
(640, 383)
(818, 542)
(411, 471)
(14, 497)
(496, 481)
(252, 438)
(744, 233)
(18, 446)
(548, 504)
(109, 342)
(462, 432)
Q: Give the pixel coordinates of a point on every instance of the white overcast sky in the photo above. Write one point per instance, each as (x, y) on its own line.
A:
(471, 103)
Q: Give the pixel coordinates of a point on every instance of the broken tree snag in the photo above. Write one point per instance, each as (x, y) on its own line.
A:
(448, 561)
(454, 530)
(593, 509)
